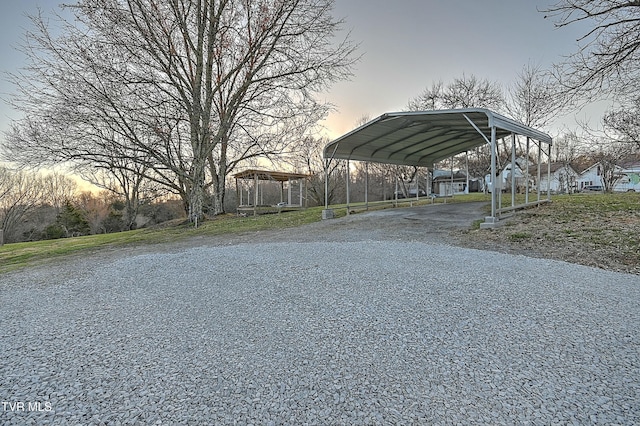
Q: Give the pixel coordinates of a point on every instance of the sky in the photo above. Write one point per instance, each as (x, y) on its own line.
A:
(406, 45)
(409, 44)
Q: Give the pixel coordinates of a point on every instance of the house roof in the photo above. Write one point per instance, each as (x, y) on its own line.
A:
(422, 138)
(555, 166)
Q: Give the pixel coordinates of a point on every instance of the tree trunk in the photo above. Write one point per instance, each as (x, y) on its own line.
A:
(196, 192)
(219, 178)
(131, 212)
(196, 196)
(218, 197)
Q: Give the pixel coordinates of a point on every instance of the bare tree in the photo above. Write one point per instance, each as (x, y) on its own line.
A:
(134, 188)
(567, 148)
(430, 99)
(197, 86)
(20, 194)
(58, 188)
(307, 158)
(623, 124)
(608, 59)
(534, 99)
(609, 158)
(464, 92)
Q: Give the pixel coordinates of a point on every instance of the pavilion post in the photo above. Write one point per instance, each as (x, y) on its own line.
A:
(304, 202)
(255, 195)
(238, 194)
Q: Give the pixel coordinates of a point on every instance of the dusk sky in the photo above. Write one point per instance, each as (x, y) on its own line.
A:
(406, 46)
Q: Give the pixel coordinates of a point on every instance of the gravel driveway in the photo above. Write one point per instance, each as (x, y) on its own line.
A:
(360, 320)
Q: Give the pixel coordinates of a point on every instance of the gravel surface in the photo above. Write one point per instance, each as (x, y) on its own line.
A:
(333, 323)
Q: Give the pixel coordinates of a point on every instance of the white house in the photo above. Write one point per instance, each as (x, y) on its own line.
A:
(504, 178)
(563, 179)
(591, 176)
(629, 177)
(630, 180)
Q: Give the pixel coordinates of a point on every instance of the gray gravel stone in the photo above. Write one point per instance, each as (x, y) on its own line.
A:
(379, 331)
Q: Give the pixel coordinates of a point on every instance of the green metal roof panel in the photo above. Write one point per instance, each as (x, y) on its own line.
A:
(424, 137)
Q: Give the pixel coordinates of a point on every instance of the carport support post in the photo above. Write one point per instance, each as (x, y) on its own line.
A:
(326, 213)
(539, 177)
(526, 167)
(493, 174)
(549, 174)
(466, 157)
(445, 200)
(366, 185)
(491, 221)
(395, 194)
(348, 191)
(513, 169)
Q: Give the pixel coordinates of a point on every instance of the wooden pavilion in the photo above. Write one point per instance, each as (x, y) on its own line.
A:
(253, 204)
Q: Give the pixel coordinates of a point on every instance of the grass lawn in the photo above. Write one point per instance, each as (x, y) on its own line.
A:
(591, 229)
(18, 255)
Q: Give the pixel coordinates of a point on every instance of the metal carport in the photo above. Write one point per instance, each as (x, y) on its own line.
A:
(422, 138)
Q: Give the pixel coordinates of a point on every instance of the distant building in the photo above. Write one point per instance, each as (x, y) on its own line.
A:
(626, 178)
(630, 180)
(562, 180)
(444, 184)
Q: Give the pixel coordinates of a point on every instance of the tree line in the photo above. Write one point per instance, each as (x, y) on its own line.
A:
(36, 206)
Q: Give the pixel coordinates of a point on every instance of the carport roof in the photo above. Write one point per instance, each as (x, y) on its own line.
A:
(422, 138)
